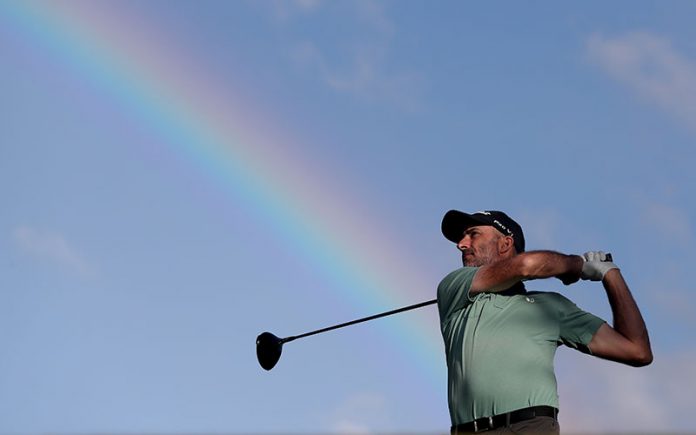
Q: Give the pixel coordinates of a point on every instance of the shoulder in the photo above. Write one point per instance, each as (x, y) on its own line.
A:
(453, 290)
(459, 276)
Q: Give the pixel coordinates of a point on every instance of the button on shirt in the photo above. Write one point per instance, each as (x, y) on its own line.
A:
(500, 346)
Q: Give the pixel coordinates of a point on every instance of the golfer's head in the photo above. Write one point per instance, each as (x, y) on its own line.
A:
(483, 237)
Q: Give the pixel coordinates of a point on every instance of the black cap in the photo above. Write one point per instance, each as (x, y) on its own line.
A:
(456, 222)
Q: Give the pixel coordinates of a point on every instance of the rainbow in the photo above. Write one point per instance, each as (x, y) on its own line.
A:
(181, 103)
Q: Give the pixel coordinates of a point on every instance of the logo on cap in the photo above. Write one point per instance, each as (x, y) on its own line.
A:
(503, 227)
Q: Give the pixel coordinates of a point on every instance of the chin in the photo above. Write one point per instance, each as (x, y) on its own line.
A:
(471, 263)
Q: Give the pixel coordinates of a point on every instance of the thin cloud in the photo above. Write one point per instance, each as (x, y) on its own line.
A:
(361, 413)
(672, 223)
(51, 246)
(653, 399)
(651, 66)
(373, 13)
(359, 78)
(363, 77)
(361, 69)
(349, 427)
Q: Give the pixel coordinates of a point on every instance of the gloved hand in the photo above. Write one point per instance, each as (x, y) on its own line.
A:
(596, 265)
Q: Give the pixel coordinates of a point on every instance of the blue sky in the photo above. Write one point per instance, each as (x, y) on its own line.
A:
(136, 270)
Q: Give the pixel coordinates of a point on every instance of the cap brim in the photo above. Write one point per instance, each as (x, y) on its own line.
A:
(455, 222)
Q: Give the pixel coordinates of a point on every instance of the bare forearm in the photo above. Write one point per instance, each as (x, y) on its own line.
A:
(528, 265)
(548, 264)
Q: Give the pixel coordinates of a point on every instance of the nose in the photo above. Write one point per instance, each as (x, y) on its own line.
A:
(464, 243)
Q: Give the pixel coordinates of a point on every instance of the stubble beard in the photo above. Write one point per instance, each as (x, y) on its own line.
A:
(483, 256)
(476, 261)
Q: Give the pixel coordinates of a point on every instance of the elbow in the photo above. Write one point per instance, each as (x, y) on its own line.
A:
(640, 363)
(528, 266)
(535, 265)
(542, 264)
(642, 358)
(645, 360)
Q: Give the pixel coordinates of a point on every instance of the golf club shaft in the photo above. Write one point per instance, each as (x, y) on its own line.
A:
(364, 319)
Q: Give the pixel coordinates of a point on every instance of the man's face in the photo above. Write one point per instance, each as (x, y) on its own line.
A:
(479, 245)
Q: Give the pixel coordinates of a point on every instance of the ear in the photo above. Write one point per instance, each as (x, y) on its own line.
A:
(505, 245)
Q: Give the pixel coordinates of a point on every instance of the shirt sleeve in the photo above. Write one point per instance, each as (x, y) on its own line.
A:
(453, 291)
(577, 327)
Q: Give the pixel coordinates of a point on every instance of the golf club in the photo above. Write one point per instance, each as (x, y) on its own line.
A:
(269, 347)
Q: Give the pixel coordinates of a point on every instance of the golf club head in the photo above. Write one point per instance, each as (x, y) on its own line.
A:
(268, 349)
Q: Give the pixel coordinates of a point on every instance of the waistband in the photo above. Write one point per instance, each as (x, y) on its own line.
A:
(504, 420)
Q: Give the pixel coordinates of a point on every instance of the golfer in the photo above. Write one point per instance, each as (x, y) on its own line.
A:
(500, 339)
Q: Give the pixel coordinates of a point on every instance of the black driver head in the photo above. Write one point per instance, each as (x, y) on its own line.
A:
(268, 349)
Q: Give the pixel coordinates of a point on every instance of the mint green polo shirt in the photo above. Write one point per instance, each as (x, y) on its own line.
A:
(500, 347)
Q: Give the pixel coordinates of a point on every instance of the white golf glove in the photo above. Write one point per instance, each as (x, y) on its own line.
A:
(596, 266)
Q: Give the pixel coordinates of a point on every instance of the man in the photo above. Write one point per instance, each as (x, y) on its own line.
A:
(500, 339)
